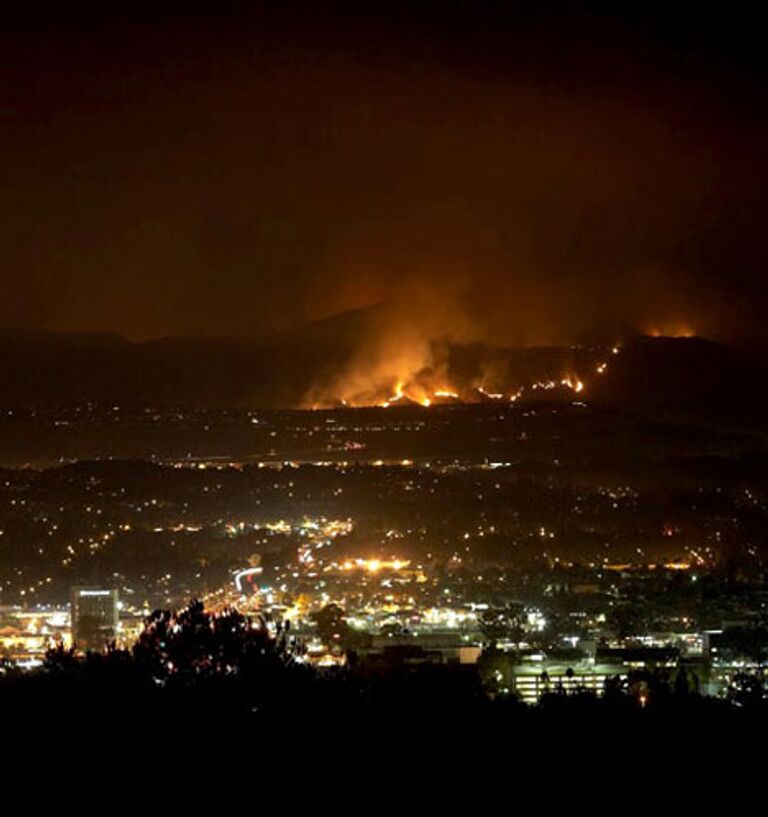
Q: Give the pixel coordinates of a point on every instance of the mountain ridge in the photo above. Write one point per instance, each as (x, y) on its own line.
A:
(662, 376)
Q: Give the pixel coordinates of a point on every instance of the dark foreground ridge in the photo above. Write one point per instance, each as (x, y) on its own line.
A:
(203, 676)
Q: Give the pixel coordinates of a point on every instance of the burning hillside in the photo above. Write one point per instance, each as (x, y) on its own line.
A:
(323, 367)
(471, 373)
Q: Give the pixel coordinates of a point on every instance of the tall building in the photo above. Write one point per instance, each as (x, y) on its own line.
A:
(94, 617)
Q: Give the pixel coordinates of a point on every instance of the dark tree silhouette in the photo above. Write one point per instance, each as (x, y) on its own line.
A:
(505, 623)
(747, 690)
(331, 624)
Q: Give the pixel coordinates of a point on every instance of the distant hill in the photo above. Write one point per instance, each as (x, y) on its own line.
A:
(687, 377)
(48, 369)
(667, 377)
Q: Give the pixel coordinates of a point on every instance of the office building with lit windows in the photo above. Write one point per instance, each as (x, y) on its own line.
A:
(94, 614)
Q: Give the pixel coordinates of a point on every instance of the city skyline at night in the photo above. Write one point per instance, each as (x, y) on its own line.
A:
(383, 383)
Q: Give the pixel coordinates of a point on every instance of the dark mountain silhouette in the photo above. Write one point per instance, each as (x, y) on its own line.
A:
(686, 377)
(664, 376)
(40, 369)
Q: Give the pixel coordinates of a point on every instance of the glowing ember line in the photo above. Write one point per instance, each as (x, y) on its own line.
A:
(491, 394)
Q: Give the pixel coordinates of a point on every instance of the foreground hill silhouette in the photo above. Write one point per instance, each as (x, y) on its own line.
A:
(222, 679)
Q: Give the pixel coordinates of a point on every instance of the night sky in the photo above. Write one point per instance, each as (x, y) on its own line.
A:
(492, 172)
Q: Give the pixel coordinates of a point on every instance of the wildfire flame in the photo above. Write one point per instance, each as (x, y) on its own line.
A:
(417, 394)
(434, 385)
(671, 331)
(493, 395)
(572, 383)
